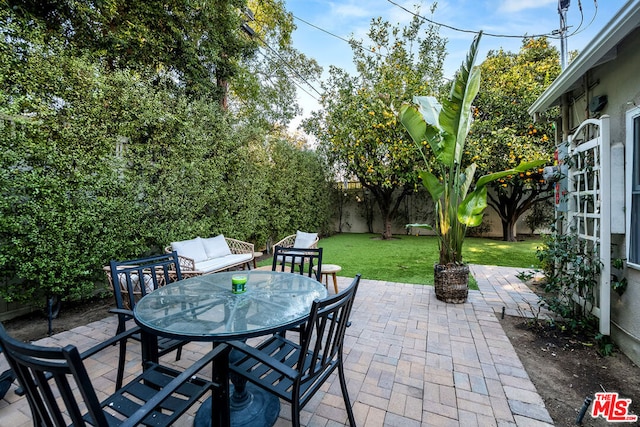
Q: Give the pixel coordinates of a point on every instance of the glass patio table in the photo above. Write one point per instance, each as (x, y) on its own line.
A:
(204, 308)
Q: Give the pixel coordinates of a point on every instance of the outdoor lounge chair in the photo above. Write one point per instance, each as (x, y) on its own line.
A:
(299, 240)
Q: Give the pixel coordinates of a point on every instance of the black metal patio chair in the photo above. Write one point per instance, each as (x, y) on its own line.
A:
(60, 391)
(298, 260)
(133, 279)
(295, 371)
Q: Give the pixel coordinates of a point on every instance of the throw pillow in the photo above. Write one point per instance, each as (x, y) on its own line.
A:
(304, 240)
(193, 249)
(216, 247)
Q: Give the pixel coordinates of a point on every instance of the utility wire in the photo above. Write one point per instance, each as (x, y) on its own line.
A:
(351, 42)
(321, 29)
(461, 30)
(294, 82)
(595, 13)
(291, 67)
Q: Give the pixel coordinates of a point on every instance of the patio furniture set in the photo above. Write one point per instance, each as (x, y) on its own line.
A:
(171, 307)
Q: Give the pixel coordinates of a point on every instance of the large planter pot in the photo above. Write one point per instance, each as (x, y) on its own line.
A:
(451, 282)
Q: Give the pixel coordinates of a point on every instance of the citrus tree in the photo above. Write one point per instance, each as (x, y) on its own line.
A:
(358, 128)
(503, 134)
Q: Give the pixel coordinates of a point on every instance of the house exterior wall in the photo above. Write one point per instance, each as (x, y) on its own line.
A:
(619, 80)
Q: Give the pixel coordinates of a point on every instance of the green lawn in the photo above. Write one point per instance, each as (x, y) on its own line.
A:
(410, 259)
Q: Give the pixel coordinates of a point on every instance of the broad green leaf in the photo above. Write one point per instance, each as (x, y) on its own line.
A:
(419, 129)
(472, 207)
(522, 167)
(469, 173)
(432, 184)
(430, 109)
(455, 118)
(525, 166)
(413, 122)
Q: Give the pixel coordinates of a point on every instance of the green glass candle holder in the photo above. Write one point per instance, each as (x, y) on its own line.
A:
(238, 283)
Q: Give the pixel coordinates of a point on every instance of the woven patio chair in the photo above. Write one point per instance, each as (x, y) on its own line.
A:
(299, 240)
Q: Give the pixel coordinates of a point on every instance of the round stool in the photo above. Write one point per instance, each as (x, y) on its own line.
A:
(329, 270)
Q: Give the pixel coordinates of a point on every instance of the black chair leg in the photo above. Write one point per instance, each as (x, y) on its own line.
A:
(345, 395)
(6, 379)
(295, 413)
(121, 363)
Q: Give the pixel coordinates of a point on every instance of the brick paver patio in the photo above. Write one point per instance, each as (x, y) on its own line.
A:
(410, 360)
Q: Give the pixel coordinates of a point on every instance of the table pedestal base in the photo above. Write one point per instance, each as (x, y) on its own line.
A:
(259, 409)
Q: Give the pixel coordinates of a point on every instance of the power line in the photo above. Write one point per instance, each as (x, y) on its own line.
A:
(291, 67)
(595, 13)
(294, 82)
(351, 42)
(462, 30)
(322, 29)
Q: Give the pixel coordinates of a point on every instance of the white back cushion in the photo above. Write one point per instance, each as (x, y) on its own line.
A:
(193, 249)
(216, 247)
(304, 240)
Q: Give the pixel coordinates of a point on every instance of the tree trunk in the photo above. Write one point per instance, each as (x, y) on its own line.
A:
(512, 204)
(386, 233)
(508, 231)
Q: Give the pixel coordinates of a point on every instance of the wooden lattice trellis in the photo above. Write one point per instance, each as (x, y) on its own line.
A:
(589, 204)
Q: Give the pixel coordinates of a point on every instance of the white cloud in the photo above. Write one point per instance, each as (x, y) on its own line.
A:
(341, 11)
(509, 6)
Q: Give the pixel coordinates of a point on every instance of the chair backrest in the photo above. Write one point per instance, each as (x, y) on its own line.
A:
(133, 279)
(38, 369)
(322, 336)
(298, 260)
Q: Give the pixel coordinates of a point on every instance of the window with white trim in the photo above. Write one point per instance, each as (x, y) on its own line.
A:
(633, 185)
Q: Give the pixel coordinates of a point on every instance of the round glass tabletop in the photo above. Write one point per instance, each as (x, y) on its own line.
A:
(204, 308)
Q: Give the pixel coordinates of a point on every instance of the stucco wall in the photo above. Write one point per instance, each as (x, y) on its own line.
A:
(415, 209)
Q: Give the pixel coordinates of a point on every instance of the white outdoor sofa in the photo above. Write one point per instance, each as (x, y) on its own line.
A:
(203, 256)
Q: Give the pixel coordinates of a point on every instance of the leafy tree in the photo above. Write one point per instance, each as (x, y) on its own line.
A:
(264, 89)
(503, 134)
(357, 127)
(198, 43)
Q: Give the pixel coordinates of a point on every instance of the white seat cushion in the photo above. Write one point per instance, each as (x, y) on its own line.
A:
(222, 262)
(289, 259)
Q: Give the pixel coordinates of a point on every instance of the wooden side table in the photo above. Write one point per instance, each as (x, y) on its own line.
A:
(256, 255)
(329, 270)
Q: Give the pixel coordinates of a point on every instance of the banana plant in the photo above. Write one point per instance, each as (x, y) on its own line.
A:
(443, 128)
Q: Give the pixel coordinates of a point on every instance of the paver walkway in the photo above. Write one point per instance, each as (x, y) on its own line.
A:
(411, 360)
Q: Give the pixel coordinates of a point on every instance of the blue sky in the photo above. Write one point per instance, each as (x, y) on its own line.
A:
(347, 18)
